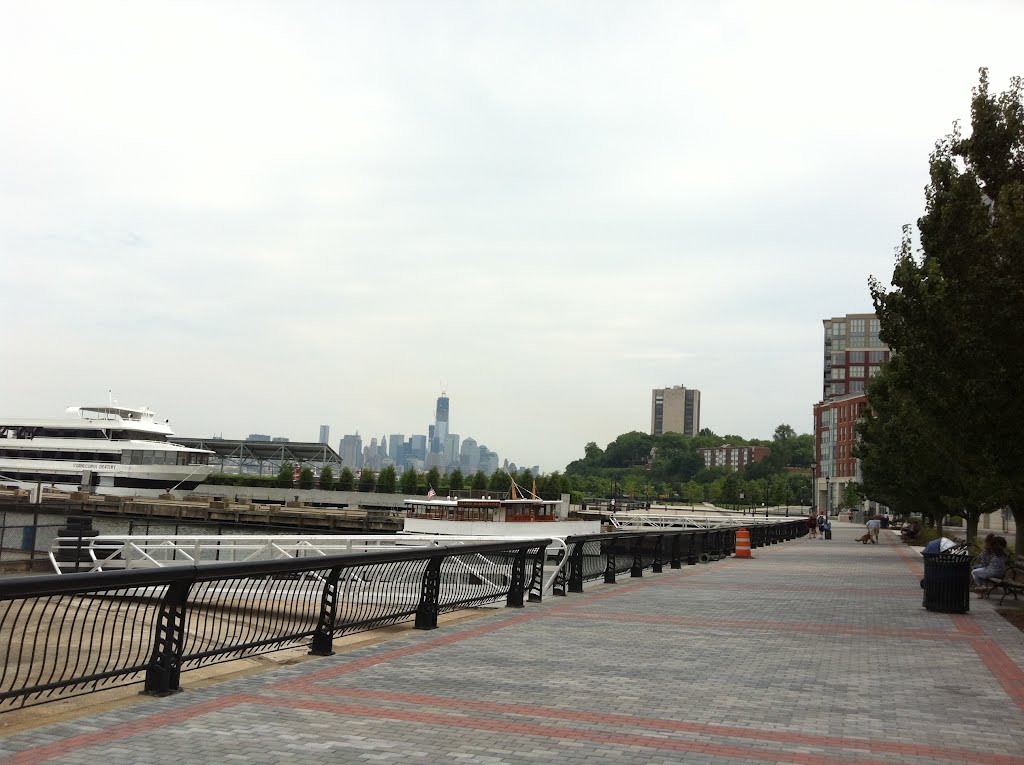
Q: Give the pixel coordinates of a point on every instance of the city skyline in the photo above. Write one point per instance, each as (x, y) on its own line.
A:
(325, 209)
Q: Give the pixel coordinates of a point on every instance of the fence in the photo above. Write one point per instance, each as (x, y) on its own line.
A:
(75, 633)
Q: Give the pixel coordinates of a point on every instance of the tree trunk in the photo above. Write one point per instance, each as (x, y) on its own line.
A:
(1017, 508)
(972, 525)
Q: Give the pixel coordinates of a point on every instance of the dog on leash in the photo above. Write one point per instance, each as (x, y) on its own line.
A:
(865, 539)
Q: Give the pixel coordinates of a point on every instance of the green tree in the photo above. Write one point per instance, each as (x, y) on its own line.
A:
(306, 478)
(285, 476)
(367, 480)
(456, 480)
(954, 319)
(499, 481)
(694, 492)
(779, 492)
(479, 482)
(851, 498)
(783, 433)
(410, 481)
(326, 479)
(387, 480)
(346, 480)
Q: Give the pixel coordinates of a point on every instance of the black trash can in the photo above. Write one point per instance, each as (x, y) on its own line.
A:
(947, 581)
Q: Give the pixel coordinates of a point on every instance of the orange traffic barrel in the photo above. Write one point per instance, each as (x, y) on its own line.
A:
(743, 544)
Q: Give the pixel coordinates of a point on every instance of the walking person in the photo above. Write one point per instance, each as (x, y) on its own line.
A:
(812, 525)
(822, 522)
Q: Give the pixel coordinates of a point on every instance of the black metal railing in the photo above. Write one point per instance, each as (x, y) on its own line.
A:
(75, 633)
(609, 555)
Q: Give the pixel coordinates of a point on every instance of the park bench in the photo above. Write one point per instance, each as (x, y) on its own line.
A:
(1011, 583)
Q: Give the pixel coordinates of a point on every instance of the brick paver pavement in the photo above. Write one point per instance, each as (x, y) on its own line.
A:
(815, 652)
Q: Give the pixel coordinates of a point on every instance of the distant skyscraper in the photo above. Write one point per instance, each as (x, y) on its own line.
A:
(396, 449)
(325, 434)
(418, 447)
(451, 452)
(351, 451)
(440, 436)
(675, 410)
(469, 456)
(258, 437)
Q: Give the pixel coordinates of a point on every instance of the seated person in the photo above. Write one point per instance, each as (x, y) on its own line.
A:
(995, 567)
(909, 530)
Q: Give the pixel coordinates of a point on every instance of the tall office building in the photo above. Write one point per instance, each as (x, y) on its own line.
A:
(469, 456)
(396, 449)
(439, 438)
(675, 410)
(451, 452)
(351, 450)
(325, 434)
(853, 354)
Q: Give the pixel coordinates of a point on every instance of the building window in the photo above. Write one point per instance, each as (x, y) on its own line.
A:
(838, 373)
(856, 326)
(855, 357)
(838, 389)
(839, 358)
(838, 328)
(839, 344)
(872, 371)
(876, 356)
(857, 386)
(857, 371)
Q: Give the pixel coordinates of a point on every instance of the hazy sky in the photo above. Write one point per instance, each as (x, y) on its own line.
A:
(262, 217)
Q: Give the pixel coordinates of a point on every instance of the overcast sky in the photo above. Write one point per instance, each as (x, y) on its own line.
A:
(264, 217)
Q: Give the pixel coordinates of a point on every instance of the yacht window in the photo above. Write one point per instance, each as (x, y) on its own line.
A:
(147, 457)
(126, 458)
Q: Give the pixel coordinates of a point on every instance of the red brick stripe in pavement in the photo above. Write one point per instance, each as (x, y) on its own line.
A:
(562, 733)
(760, 624)
(120, 730)
(677, 726)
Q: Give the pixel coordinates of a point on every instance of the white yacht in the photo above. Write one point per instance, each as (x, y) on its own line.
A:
(105, 449)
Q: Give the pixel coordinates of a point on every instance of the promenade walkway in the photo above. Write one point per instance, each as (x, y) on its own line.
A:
(815, 652)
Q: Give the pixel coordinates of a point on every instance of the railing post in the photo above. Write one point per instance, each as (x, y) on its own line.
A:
(638, 558)
(323, 638)
(656, 563)
(691, 551)
(677, 555)
(576, 567)
(518, 581)
(426, 612)
(558, 587)
(163, 674)
(537, 577)
(609, 561)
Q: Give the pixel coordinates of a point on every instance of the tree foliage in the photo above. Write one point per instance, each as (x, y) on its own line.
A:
(306, 478)
(346, 480)
(947, 411)
(409, 481)
(326, 479)
(367, 480)
(285, 477)
(387, 480)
